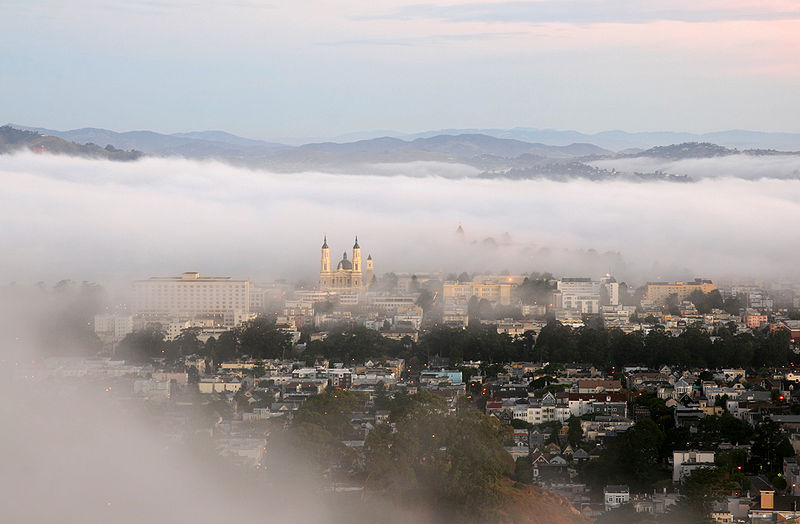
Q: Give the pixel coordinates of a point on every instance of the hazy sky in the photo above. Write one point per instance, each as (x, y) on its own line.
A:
(312, 68)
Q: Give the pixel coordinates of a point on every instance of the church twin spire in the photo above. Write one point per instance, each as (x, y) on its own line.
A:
(347, 274)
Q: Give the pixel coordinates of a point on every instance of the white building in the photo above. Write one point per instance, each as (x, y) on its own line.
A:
(684, 462)
(538, 411)
(114, 327)
(224, 300)
(611, 286)
(581, 294)
(616, 496)
(617, 315)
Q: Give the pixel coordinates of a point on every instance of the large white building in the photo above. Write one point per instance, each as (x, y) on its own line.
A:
(221, 300)
(113, 327)
(580, 294)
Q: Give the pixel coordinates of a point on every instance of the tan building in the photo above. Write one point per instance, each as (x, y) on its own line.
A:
(490, 289)
(349, 274)
(658, 292)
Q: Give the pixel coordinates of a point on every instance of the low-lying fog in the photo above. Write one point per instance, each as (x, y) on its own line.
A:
(749, 167)
(64, 217)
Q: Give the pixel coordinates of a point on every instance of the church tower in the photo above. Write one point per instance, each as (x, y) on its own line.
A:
(325, 265)
(357, 277)
(369, 275)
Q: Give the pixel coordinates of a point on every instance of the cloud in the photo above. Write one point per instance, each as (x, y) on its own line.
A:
(114, 222)
(591, 12)
(79, 448)
(748, 167)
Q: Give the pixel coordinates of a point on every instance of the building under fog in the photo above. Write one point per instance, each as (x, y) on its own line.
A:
(659, 292)
(494, 289)
(580, 294)
(205, 301)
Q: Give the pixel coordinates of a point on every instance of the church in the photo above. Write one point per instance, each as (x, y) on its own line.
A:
(348, 275)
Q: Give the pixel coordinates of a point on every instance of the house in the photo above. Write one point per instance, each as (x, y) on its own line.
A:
(538, 460)
(598, 385)
(580, 455)
(772, 508)
(615, 496)
(682, 388)
(684, 462)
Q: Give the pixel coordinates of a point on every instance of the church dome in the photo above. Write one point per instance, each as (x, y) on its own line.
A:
(344, 263)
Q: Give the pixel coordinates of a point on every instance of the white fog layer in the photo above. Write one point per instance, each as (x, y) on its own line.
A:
(64, 217)
(750, 167)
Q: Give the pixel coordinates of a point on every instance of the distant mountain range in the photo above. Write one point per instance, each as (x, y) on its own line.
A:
(495, 153)
(200, 144)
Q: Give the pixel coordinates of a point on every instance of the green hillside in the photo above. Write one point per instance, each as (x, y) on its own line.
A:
(12, 140)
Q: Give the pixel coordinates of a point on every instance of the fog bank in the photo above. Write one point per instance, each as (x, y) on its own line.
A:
(750, 167)
(74, 218)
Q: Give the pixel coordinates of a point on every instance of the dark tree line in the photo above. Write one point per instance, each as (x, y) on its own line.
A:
(258, 338)
(694, 347)
(556, 342)
(354, 344)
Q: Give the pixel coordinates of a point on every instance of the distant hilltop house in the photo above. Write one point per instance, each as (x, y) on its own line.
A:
(349, 274)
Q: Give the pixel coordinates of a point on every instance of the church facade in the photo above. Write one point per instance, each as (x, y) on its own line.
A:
(349, 274)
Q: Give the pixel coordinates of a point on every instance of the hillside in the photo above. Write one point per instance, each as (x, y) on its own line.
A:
(534, 505)
(472, 154)
(12, 139)
(687, 150)
(464, 146)
(700, 150)
(201, 144)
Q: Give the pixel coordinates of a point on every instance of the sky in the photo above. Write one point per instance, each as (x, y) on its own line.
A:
(114, 222)
(319, 69)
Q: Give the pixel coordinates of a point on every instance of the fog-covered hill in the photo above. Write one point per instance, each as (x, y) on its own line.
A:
(456, 154)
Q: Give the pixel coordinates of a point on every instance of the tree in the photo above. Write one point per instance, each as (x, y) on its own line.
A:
(770, 445)
(259, 338)
(575, 432)
(413, 286)
(425, 300)
(321, 424)
(535, 291)
(225, 348)
(458, 459)
(705, 302)
(186, 343)
(632, 457)
(703, 487)
(523, 471)
(382, 401)
(142, 345)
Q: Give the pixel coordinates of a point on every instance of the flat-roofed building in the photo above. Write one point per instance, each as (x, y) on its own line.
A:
(224, 300)
(658, 292)
(580, 294)
(498, 292)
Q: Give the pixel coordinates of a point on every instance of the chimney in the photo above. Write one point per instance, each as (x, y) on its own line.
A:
(767, 499)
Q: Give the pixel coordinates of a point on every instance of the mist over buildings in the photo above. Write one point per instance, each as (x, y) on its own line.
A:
(746, 166)
(110, 222)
